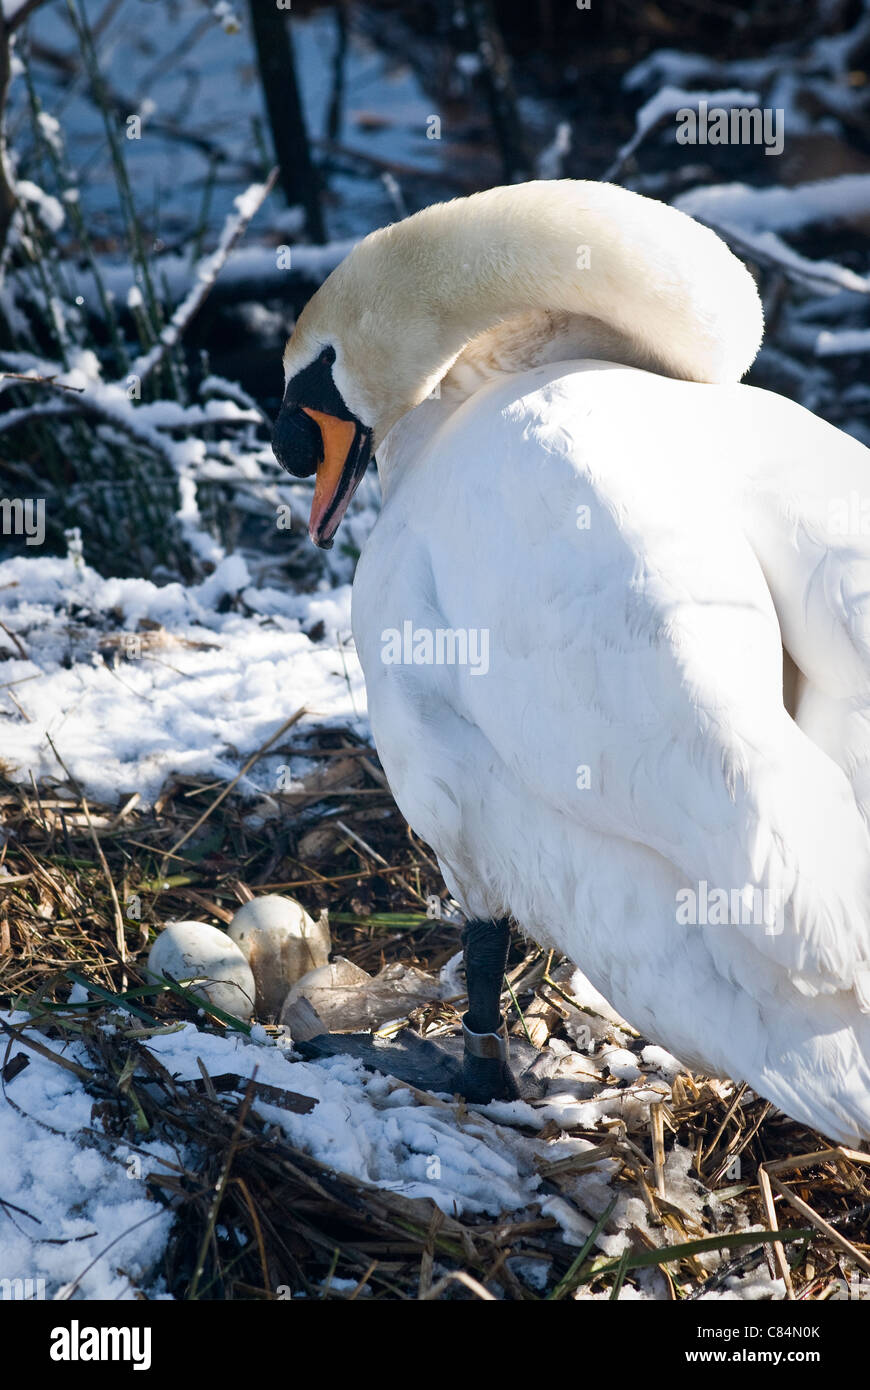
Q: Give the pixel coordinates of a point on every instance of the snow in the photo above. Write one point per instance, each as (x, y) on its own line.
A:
(211, 692)
(49, 209)
(846, 341)
(69, 1214)
(207, 270)
(667, 66)
(756, 216)
(661, 1060)
(584, 993)
(823, 275)
(550, 161)
(469, 64)
(84, 1216)
(253, 269)
(192, 459)
(361, 1126)
(668, 101)
(50, 128)
(86, 1226)
(217, 684)
(759, 1285)
(780, 209)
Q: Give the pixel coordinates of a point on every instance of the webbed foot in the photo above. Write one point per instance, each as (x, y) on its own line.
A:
(479, 1077)
(483, 1074)
(407, 1057)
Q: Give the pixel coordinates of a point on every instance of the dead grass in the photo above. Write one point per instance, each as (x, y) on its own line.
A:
(256, 1218)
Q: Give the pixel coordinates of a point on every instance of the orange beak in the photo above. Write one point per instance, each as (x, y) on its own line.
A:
(339, 438)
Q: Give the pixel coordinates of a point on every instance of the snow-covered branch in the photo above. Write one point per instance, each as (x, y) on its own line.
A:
(207, 271)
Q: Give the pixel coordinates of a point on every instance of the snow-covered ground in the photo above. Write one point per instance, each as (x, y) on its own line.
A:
(78, 1217)
(134, 682)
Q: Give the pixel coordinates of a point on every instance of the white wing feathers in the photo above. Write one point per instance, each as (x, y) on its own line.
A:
(646, 648)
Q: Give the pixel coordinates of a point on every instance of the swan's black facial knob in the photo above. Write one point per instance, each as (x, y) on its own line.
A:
(296, 442)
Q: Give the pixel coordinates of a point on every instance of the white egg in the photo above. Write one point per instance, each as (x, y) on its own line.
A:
(194, 950)
(281, 943)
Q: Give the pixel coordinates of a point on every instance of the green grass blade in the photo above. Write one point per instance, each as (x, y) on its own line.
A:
(646, 1259)
(569, 1278)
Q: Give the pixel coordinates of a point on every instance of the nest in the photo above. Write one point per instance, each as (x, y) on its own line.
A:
(255, 1217)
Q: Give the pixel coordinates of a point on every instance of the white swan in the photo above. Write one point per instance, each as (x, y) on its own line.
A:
(639, 539)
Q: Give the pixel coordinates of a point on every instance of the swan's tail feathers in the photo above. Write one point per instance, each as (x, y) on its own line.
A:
(821, 1076)
(805, 518)
(806, 846)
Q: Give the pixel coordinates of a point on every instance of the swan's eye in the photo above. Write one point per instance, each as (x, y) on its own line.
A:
(327, 356)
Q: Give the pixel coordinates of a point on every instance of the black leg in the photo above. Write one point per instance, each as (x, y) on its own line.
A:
(484, 1074)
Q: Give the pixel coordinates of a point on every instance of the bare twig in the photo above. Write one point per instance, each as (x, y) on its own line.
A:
(288, 724)
(120, 940)
(222, 1184)
(24, 11)
(768, 1179)
(458, 1276)
(501, 99)
(30, 379)
(15, 638)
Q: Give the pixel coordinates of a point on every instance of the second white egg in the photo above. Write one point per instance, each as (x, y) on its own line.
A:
(281, 944)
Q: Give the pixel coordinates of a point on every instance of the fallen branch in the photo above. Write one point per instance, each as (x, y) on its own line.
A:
(768, 249)
(651, 117)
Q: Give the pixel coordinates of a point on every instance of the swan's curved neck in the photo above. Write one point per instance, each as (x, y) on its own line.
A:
(651, 276)
(499, 265)
(657, 289)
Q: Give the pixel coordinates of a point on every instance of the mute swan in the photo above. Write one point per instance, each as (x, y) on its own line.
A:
(574, 481)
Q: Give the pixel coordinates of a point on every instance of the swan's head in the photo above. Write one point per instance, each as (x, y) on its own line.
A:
(351, 370)
(318, 432)
(394, 317)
